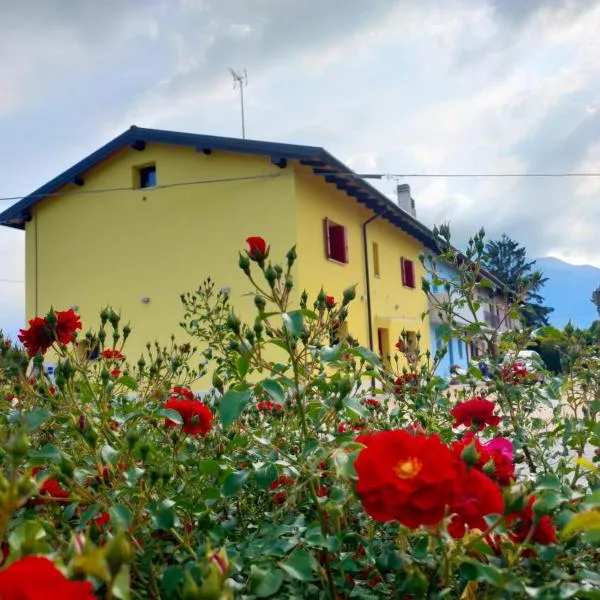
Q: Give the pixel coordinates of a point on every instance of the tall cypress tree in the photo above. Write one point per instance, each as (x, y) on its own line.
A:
(507, 259)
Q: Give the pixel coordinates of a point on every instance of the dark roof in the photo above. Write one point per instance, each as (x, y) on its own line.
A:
(322, 163)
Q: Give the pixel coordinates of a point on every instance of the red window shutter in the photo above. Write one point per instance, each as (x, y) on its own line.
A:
(403, 267)
(327, 238)
(345, 238)
(410, 273)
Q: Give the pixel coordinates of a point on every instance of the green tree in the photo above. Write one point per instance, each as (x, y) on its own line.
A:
(596, 299)
(507, 259)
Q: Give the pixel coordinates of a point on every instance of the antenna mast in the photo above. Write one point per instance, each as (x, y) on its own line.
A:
(241, 80)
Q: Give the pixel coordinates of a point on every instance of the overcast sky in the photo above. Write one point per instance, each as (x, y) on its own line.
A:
(393, 86)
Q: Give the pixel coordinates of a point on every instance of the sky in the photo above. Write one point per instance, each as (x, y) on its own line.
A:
(387, 86)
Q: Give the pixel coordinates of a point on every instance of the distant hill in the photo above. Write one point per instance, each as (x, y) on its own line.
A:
(569, 291)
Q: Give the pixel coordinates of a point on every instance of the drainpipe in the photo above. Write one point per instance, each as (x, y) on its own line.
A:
(368, 280)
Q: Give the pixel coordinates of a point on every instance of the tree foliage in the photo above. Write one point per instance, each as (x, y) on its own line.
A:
(507, 259)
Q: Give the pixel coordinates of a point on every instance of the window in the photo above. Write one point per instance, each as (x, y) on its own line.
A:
(147, 176)
(408, 273)
(376, 271)
(383, 343)
(336, 244)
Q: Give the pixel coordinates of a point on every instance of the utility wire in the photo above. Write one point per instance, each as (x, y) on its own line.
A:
(149, 189)
(270, 176)
(11, 280)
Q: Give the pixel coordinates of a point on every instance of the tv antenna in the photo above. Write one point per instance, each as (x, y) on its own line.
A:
(240, 79)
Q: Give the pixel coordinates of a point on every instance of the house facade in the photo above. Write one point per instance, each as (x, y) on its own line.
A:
(153, 213)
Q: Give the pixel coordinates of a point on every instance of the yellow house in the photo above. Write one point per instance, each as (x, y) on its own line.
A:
(153, 213)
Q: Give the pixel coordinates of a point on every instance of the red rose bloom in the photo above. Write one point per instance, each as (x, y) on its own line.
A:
(477, 497)
(115, 373)
(405, 382)
(101, 521)
(182, 393)
(478, 412)
(51, 488)
(37, 338)
(197, 417)
(67, 322)
(110, 354)
(36, 578)
(269, 405)
(520, 523)
(257, 248)
(329, 301)
(372, 402)
(407, 478)
(492, 461)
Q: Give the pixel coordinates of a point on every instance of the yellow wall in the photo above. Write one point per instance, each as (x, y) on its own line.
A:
(393, 306)
(114, 248)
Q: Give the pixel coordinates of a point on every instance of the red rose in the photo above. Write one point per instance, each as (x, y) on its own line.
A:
(50, 488)
(269, 405)
(404, 382)
(494, 461)
(115, 373)
(478, 412)
(329, 301)
(182, 393)
(197, 417)
(101, 521)
(520, 524)
(36, 578)
(407, 478)
(110, 354)
(477, 497)
(38, 337)
(400, 346)
(257, 248)
(67, 322)
(372, 402)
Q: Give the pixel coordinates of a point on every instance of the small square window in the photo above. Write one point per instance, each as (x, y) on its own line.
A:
(408, 273)
(336, 242)
(147, 176)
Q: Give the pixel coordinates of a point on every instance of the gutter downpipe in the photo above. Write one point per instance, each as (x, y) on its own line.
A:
(368, 280)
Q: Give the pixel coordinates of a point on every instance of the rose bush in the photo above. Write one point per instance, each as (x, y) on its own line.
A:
(311, 469)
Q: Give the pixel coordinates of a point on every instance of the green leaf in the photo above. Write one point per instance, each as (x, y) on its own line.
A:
(208, 467)
(171, 579)
(128, 382)
(265, 476)
(47, 453)
(294, 322)
(122, 584)
(37, 417)
(88, 514)
(266, 583)
(122, 515)
(234, 482)
(109, 454)
(232, 405)
(548, 482)
(163, 518)
(274, 389)
(355, 407)
(331, 354)
(300, 565)
(171, 415)
(242, 366)
(366, 355)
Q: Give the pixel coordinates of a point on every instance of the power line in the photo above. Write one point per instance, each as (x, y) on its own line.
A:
(11, 280)
(131, 189)
(401, 175)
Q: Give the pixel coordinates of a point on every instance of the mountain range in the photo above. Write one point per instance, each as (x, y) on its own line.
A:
(569, 291)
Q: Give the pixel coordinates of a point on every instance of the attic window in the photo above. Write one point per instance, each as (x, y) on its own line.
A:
(147, 176)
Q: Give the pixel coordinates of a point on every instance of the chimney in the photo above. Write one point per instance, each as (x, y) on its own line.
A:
(405, 202)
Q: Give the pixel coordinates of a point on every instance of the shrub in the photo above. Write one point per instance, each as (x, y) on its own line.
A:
(312, 469)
